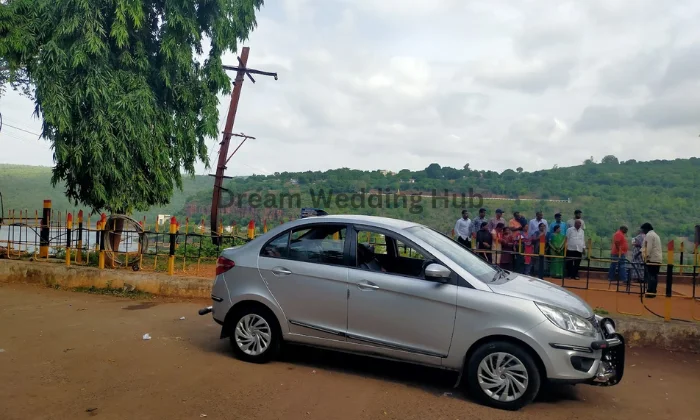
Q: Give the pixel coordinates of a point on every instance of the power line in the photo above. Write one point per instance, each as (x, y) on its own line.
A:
(21, 129)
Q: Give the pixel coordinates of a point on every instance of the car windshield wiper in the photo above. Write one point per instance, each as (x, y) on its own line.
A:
(500, 272)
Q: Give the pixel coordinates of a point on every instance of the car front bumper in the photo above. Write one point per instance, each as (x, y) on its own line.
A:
(572, 358)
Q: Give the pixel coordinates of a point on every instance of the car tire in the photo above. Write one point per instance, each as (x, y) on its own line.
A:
(255, 335)
(502, 375)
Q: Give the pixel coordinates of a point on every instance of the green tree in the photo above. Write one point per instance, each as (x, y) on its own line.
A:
(434, 171)
(125, 101)
(610, 160)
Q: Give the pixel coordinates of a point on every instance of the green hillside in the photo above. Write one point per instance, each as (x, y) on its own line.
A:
(610, 194)
(665, 193)
(25, 187)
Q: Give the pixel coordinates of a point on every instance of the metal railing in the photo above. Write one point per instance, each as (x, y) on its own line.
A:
(189, 250)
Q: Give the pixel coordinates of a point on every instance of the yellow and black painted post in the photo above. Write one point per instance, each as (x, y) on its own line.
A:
(101, 239)
(79, 254)
(540, 260)
(173, 234)
(45, 230)
(69, 229)
(669, 281)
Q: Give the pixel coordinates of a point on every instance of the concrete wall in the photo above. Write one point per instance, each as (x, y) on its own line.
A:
(672, 336)
(639, 332)
(50, 274)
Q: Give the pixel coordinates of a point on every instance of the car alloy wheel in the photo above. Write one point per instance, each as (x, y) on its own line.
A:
(253, 335)
(502, 377)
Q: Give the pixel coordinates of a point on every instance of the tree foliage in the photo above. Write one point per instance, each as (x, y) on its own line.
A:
(609, 160)
(125, 101)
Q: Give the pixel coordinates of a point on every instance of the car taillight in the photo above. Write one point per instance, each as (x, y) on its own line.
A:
(223, 265)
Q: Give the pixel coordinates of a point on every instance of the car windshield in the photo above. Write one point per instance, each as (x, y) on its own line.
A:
(469, 261)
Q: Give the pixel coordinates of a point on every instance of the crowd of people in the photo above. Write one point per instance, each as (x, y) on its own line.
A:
(515, 244)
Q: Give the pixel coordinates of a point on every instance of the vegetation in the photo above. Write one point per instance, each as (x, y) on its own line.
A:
(609, 193)
(125, 101)
(664, 193)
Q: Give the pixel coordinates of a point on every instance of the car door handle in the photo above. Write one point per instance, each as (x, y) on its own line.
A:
(280, 271)
(367, 285)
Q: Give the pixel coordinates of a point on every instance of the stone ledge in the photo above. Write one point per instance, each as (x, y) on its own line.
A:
(51, 274)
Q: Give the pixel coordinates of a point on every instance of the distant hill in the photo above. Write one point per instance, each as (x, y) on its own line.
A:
(25, 187)
(665, 193)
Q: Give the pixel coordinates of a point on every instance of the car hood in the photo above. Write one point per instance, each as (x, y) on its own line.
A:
(542, 291)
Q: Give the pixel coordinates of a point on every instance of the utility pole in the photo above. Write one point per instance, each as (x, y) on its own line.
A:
(241, 71)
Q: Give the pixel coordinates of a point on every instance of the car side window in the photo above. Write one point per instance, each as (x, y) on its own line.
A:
(324, 244)
(277, 248)
(373, 254)
(407, 251)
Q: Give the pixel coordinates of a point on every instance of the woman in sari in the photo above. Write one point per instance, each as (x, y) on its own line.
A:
(507, 241)
(556, 246)
(637, 268)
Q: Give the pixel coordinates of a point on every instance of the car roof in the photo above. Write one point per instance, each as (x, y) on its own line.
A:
(386, 222)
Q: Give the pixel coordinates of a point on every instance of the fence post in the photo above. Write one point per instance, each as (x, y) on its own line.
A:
(669, 282)
(680, 268)
(173, 234)
(69, 228)
(79, 254)
(251, 229)
(265, 226)
(540, 262)
(45, 228)
(101, 239)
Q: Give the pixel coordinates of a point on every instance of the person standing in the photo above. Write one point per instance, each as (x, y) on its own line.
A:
(463, 229)
(637, 269)
(577, 216)
(507, 249)
(618, 255)
(526, 248)
(484, 241)
(556, 245)
(575, 246)
(476, 223)
(558, 222)
(535, 224)
(514, 223)
(652, 250)
(496, 220)
(497, 242)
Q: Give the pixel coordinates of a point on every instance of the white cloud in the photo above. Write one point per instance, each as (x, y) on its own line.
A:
(400, 84)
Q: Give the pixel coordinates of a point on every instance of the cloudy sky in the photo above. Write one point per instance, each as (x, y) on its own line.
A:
(393, 84)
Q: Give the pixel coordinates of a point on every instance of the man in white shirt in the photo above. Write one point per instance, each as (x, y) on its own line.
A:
(463, 229)
(534, 225)
(575, 246)
(652, 250)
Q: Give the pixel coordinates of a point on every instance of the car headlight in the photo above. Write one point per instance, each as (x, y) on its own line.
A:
(567, 321)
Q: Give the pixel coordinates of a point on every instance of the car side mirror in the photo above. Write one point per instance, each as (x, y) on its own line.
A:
(438, 273)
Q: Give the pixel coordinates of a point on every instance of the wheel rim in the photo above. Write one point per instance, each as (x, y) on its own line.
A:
(502, 377)
(253, 334)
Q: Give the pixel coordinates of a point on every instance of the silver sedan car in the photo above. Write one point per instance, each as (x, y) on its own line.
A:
(399, 290)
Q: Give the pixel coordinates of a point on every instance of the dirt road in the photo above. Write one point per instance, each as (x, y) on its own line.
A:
(64, 353)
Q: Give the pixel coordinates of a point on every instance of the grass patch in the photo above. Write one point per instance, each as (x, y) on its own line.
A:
(601, 311)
